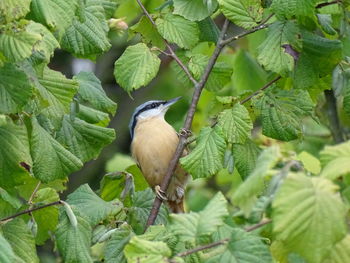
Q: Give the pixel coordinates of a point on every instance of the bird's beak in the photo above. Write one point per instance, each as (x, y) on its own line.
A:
(171, 102)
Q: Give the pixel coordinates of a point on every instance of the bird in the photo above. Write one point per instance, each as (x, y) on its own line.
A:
(153, 144)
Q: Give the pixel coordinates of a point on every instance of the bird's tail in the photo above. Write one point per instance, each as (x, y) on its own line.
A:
(176, 206)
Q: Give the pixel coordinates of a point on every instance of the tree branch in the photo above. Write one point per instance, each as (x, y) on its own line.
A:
(260, 90)
(333, 117)
(328, 3)
(254, 29)
(28, 211)
(258, 225)
(172, 53)
(184, 134)
(223, 241)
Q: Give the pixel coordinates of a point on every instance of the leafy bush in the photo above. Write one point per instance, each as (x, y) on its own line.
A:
(268, 107)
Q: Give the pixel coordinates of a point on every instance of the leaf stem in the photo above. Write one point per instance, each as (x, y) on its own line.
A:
(28, 211)
(172, 53)
(260, 90)
(30, 200)
(184, 134)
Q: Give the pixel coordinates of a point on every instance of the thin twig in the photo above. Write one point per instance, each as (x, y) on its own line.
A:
(259, 90)
(333, 117)
(328, 3)
(172, 53)
(188, 122)
(59, 202)
(200, 248)
(230, 39)
(223, 241)
(258, 225)
(30, 200)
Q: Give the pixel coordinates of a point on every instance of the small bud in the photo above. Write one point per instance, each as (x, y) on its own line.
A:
(117, 24)
(71, 216)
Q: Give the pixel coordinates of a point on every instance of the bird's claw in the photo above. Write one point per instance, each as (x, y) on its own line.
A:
(160, 193)
(185, 132)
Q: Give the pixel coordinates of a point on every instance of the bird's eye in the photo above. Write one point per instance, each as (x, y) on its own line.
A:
(154, 105)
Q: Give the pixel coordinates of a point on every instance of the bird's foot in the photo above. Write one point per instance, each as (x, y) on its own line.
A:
(160, 193)
(185, 132)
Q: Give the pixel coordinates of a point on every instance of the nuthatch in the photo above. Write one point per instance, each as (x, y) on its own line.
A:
(153, 145)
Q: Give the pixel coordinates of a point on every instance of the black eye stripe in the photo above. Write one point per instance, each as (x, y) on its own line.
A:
(148, 107)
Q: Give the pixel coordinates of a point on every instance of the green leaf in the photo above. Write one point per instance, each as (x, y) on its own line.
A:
(180, 75)
(178, 30)
(13, 9)
(142, 202)
(12, 200)
(73, 242)
(194, 10)
(14, 154)
(109, 6)
(293, 8)
(319, 57)
(56, 14)
(115, 246)
(83, 139)
(219, 76)
(48, 43)
(15, 89)
(310, 162)
(149, 32)
(21, 240)
(236, 124)
(192, 226)
(7, 255)
(93, 116)
(282, 112)
(57, 91)
(308, 215)
(335, 160)
(325, 21)
(91, 206)
(245, 156)
(340, 252)
(144, 251)
(208, 30)
(272, 54)
(91, 91)
(246, 194)
(207, 157)
(244, 13)
(136, 67)
(17, 44)
(113, 185)
(87, 34)
(46, 219)
(243, 247)
(57, 162)
(247, 72)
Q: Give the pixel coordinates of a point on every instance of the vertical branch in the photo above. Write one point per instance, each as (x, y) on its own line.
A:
(171, 51)
(189, 118)
(333, 118)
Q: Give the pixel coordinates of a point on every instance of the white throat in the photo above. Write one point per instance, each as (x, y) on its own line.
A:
(157, 112)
